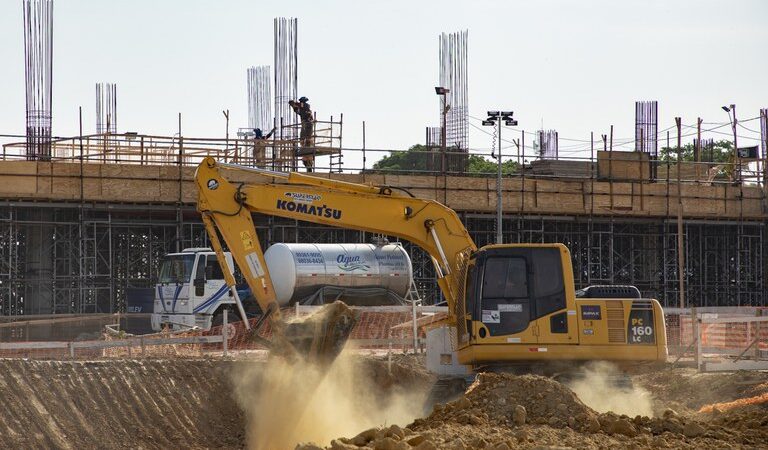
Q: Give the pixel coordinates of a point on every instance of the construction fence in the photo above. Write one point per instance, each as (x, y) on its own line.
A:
(719, 338)
(712, 339)
(387, 328)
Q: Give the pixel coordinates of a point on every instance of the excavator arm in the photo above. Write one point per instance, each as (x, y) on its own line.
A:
(226, 207)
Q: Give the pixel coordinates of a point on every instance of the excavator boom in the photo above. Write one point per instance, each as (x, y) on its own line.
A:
(226, 207)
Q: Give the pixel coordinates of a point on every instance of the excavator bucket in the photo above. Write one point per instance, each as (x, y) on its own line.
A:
(321, 336)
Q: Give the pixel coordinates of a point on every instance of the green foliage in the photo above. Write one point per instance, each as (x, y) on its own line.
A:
(417, 158)
(721, 152)
(478, 164)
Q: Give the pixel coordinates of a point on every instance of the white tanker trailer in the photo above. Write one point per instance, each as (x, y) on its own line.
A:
(354, 271)
(191, 291)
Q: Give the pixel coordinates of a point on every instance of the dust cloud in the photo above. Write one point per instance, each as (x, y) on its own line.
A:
(601, 389)
(287, 403)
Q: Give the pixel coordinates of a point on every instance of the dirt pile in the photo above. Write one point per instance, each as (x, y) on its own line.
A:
(513, 400)
(502, 411)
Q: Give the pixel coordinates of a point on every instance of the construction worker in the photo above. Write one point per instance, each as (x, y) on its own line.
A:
(259, 146)
(259, 135)
(302, 108)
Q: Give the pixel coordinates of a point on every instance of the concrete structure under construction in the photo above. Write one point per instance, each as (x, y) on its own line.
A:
(77, 233)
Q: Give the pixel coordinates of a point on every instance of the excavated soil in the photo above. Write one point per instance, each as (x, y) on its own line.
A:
(502, 411)
(189, 403)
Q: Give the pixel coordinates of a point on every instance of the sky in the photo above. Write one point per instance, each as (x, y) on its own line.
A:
(572, 66)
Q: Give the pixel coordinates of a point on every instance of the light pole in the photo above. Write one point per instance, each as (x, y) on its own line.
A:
(495, 118)
(736, 156)
(442, 91)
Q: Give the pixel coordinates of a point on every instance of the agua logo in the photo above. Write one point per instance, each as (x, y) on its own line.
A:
(350, 263)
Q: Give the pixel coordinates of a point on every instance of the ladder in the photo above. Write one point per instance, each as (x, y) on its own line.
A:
(336, 162)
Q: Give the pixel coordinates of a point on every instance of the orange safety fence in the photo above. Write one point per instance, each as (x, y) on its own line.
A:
(381, 329)
(732, 333)
(725, 406)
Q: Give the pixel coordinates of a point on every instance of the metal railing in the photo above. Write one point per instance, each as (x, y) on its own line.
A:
(276, 154)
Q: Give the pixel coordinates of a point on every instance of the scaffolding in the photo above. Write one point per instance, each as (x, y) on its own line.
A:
(82, 254)
(94, 253)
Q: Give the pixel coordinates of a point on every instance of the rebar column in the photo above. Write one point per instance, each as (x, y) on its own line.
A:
(38, 71)
(260, 98)
(106, 108)
(286, 75)
(453, 76)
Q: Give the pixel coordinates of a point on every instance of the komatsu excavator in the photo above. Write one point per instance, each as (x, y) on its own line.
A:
(509, 304)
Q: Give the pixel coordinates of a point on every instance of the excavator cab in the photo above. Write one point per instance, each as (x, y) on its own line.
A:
(523, 294)
(511, 288)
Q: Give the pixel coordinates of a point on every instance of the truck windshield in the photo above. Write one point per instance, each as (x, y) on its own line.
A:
(176, 268)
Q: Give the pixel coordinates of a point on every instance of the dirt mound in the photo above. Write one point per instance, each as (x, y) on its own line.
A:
(503, 411)
(513, 400)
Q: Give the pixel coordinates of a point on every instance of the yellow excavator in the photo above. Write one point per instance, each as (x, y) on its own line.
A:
(509, 304)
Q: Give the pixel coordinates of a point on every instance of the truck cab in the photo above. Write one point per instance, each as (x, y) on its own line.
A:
(191, 291)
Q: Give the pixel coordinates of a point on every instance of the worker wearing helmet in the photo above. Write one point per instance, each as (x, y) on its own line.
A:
(302, 108)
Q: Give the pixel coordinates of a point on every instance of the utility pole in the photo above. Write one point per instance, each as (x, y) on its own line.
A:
(495, 118)
(697, 149)
(680, 246)
(735, 144)
(442, 91)
(736, 156)
(499, 235)
(226, 133)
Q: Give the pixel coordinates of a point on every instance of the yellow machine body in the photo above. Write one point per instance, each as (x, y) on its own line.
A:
(507, 302)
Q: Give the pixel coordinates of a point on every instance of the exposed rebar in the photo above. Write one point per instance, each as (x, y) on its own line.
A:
(260, 98)
(38, 70)
(548, 144)
(286, 75)
(106, 108)
(453, 75)
(646, 127)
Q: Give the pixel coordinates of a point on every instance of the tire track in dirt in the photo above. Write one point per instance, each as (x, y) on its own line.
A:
(117, 404)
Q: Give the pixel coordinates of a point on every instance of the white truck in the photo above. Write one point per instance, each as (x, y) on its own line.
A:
(191, 292)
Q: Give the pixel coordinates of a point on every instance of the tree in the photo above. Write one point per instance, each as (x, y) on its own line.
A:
(417, 158)
(479, 165)
(721, 152)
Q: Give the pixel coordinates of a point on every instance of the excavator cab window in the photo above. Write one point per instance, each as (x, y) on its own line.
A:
(547, 277)
(518, 285)
(505, 300)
